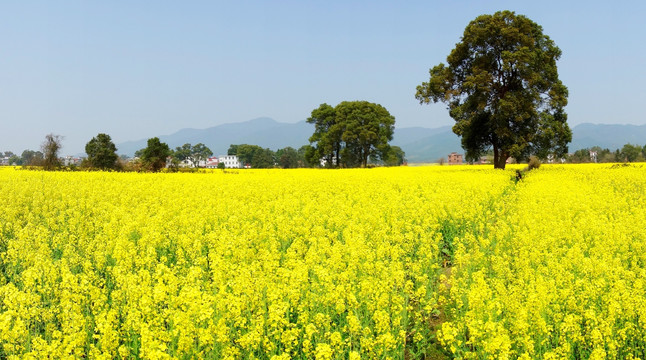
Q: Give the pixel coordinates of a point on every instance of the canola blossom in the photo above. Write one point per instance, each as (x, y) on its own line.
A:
(324, 264)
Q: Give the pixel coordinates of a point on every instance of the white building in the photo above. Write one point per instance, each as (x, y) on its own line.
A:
(212, 162)
(230, 161)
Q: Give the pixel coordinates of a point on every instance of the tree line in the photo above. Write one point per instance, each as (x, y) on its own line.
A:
(628, 153)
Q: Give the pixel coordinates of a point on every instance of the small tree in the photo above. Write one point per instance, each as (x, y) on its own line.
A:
(155, 154)
(101, 152)
(199, 153)
(50, 147)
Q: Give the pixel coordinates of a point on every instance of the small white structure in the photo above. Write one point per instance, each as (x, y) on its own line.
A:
(593, 156)
(230, 161)
(71, 160)
(212, 162)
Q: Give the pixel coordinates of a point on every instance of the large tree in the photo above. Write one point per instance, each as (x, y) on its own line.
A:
(502, 88)
(349, 133)
(367, 129)
(101, 152)
(327, 135)
(155, 154)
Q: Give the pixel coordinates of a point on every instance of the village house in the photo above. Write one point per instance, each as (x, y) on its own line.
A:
(455, 159)
(230, 161)
(212, 162)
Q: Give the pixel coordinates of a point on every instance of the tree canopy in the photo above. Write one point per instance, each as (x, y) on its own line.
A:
(350, 133)
(195, 154)
(101, 152)
(155, 154)
(502, 88)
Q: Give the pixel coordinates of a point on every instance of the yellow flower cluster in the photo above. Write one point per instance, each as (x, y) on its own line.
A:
(557, 271)
(324, 264)
(272, 264)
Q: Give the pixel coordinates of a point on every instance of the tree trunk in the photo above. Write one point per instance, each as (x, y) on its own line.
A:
(501, 161)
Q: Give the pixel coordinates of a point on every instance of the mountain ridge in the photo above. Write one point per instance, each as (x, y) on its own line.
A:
(421, 144)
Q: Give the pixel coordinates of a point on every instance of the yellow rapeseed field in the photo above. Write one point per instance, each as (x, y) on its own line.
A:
(324, 264)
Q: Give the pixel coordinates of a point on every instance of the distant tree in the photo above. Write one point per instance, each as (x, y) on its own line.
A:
(199, 153)
(630, 153)
(15, 160)
(50, 148)
(263, 159)
(233, 150)
(246, 152)
(101, 152)
(502, 88)
(368, 128)
(182, 153)
(350, 133)
(644, 151)
(302, 155)
(139, 153)
(288, 158)
(155, 154)
(395, 156)
(221, 165)
(31, 157)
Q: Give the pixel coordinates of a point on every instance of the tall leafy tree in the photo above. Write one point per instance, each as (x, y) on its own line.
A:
(101, 152)
(327, 135)
(50, 147)
(349, 133)
(502, 88)
(155, 154)
(367, 127)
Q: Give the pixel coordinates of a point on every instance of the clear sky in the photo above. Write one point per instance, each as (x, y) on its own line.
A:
(138, 69)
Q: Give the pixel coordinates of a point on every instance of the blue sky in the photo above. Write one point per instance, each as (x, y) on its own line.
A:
(137, 69)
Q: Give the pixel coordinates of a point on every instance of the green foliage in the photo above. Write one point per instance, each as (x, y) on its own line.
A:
(15, 159)
(233, 150)
(31, 158)
(631, 153)
(502, 88)
(192, 153)
(254, 156)
(101, 152)
(350, 133)
(393, 156)
(50, 147)
(155, 154)
(221, 166)
(289, 158)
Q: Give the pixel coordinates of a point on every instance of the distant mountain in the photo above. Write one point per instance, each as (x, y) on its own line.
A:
(264, 132)
(420, 144)
(607, 136)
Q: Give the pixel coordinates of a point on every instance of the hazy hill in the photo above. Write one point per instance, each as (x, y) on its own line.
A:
(420, 144)
(607, 136)
(264, 132)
